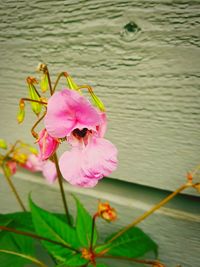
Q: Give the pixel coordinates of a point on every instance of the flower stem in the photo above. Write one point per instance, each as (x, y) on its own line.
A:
(62, 189)
(13, 189)
(148, 262)
(30, 258)
(34, 134)
(19, 232)
(49, 80)
(62, 74)
(32, 100)
(153, 209)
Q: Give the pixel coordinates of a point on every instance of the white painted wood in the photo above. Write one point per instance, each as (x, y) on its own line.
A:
(175, 227)
(142, 57)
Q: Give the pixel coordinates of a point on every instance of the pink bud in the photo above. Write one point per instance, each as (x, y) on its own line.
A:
(12, 165)
(47, 144)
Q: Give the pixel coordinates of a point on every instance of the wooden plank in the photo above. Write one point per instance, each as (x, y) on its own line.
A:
(175, 227)
(142, 57)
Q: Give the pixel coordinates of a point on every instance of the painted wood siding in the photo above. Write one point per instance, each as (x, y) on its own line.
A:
(142, 57)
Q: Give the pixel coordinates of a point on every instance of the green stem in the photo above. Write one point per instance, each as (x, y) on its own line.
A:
(60, 181)
(27, 257)
(49, 80)
(19, 232)
(13, 189)
(152, 210)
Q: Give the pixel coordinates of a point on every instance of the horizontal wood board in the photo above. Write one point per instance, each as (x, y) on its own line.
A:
(142, 57)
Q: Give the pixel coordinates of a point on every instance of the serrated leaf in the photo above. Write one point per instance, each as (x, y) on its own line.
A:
(18, 220)
(99, 265)
(15, 242)
(49, 226)
(133, 243)
(74, 261)
(3, 144)
(84, 225)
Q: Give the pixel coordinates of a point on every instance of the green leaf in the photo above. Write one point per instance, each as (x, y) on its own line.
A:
(74, 261)
(3, 144)
(133, 243)
(84, 225)
(18, 220)
(15, 242)
(99, 265)
(49, 226)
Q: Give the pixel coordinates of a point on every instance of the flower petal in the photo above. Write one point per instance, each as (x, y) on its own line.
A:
(100, 158)
(85, 166)
(49, 171)
(68, 110)
(70, 166)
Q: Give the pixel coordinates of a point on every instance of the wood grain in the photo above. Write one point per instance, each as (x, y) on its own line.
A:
(142, 57)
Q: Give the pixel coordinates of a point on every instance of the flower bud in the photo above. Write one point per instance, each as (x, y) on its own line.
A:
(36, 107)
(72, 85)
(106, 212)
(97, 102)
(87, 254)
(12, 166)
(44, 83)
(3, 144)
(47, 144)
(21, 113)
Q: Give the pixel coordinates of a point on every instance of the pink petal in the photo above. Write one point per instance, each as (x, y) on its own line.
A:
(33, 163)
(84, 167)
(68, 110)
(49, 171)
(100, 158)
(47, 144)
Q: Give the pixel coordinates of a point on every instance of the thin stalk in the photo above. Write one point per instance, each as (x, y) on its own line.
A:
(10, 183)
(19, 232)
(49, 80)
(152, 210)
(148, 262)
(58, 79)
(11, 149)
(92, 233)
(34, 134)
(32, 100)
(60, 181)
(27, 257)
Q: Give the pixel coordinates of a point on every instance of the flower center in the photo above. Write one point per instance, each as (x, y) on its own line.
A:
(80, 133)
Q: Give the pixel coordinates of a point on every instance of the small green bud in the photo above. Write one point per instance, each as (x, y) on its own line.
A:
(97, 101)
(3, 144)
(72, 85)
(36, 107)
(21, 113)
(44, 83)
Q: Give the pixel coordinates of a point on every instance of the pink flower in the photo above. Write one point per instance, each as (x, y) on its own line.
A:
(35, 163)
(47, 144)
(68, 110)
(92, 157)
